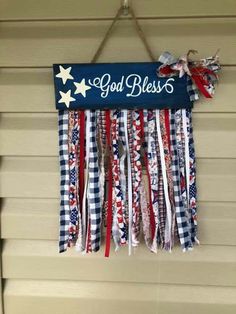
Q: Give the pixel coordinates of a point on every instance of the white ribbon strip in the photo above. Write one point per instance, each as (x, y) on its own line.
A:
(165, 182)
(86, 232)
(123, 156)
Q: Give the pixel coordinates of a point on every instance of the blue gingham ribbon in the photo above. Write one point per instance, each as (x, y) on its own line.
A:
(181, 218)
(63, 125)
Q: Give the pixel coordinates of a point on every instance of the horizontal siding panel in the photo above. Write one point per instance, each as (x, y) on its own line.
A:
(37, 135)
(42, 44)
(54, 9)
(208, 128)
(205, 265)
(35, 91)
(38, 177)
(24, 218)
(26, 297)
(29, 129)
(33, 87)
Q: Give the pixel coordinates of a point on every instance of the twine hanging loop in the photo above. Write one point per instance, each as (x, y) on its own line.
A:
(124, 9)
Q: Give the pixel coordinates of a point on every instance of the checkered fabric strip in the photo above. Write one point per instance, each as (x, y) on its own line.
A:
(94, 201)
(167, 58)
(192, 90)
(161, 198)
(64, 219)
(145, 120)
(161, 204)
(181, 219)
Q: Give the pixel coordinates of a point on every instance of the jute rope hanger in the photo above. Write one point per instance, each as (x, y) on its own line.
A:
(125, 8)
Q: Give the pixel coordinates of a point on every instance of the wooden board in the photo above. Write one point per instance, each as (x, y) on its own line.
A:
(35, 91)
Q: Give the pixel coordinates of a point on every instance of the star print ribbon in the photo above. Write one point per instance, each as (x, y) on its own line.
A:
(73, 173)
(192, 179)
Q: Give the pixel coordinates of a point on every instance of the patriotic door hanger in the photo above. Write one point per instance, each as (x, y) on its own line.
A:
(126, 147)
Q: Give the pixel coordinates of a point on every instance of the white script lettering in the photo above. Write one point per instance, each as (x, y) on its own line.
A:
(135, 84)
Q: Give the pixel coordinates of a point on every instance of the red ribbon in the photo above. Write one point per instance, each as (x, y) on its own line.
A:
(198, 74)
(167, 125)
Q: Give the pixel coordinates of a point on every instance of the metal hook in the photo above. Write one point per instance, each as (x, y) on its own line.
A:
(125, 6)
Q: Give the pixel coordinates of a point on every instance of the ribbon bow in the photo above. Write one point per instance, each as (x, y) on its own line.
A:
(202, 73)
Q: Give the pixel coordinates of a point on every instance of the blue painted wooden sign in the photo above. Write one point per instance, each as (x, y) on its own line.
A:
(117, 86)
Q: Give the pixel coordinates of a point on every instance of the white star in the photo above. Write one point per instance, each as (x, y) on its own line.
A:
(64, 74)
(81, 88)
(66, 98)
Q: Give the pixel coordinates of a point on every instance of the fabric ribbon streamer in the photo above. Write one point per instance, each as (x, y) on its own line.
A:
(202, 74)
(132, 172)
